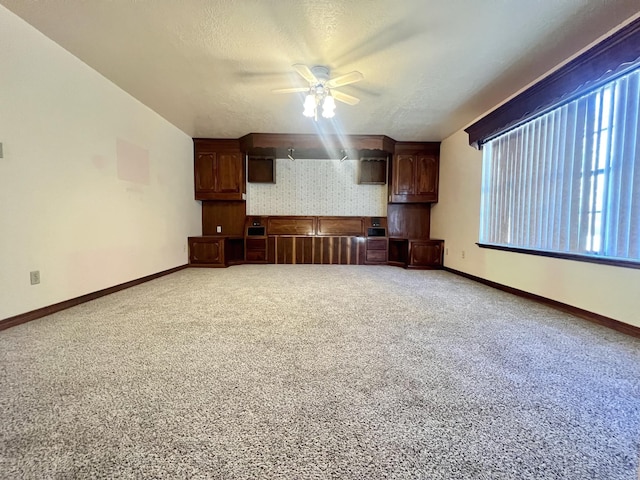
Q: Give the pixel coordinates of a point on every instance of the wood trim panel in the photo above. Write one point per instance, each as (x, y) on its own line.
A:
(216, 144)
(291, 225)
(409, 220)
(57, 307)
(230, 215)
(414, 148)
(312, 146)
(341, 226)
(338, 250)
(578, 312)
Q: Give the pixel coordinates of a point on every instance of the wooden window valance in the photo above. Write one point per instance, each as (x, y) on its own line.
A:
(608, 59)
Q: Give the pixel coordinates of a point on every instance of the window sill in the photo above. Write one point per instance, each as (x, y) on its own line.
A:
(566, 256)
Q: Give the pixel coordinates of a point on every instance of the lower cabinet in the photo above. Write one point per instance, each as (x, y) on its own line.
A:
(425, 253)
(313, 240)
(207, 251)
(215, 251)
(376, 253)
(255, 249)
(416, 253)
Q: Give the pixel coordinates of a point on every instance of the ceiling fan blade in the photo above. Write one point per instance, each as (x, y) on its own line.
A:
(306, 73)
(344, 98)
(345, 79)
(290, 90)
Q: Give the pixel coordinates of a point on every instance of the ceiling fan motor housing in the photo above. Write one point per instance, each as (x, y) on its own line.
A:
(321, 73)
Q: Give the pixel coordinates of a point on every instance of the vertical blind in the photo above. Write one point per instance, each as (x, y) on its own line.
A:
(569, 180)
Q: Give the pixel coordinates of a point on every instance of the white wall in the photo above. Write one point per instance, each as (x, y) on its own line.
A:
(606, 290)
(95, 188)
(316, 187)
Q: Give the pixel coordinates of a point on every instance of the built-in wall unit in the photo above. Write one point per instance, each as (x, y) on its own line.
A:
(290, 198)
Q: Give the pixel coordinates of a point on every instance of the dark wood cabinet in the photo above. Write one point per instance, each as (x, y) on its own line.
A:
(215, 251)
(256, 249)
(207, 251)
(416, 253)
(414, 173)
(376, 251)
(425, 253)
(255, 240)
(218, 170)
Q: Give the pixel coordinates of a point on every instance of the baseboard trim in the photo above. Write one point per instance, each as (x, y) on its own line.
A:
(44, 311)
(578, 312)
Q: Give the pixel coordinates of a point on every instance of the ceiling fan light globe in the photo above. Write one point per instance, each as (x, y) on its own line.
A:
(328, 107)
(309, 106)
(329, 103)
(310, 102)
(328, 112)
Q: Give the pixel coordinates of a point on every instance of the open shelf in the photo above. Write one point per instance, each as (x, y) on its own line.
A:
(261, 169)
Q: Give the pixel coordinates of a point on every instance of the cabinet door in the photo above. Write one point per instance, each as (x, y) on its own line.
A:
(209, 251)
(426, 180)
(425, 253)
(403, 174)
(204, 170)
(229, 173)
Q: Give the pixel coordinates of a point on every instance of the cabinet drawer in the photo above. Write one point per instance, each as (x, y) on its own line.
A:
(256, 244)
(376, 243)
(256, 255)
(376, 255)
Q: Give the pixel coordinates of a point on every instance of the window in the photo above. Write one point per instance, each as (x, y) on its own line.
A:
(568, 181)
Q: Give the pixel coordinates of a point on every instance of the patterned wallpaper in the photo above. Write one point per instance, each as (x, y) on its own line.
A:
(316, 187)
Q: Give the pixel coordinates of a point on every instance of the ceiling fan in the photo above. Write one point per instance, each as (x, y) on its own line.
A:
(322, 89)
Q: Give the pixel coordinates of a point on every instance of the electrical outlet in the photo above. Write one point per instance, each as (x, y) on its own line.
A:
(462, 254)
(35, 277)
(219, 229)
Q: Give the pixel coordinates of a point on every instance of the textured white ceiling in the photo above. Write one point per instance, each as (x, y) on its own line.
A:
(430, 66)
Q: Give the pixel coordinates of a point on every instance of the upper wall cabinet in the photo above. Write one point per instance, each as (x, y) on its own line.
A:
(414, 172)
(218, 170)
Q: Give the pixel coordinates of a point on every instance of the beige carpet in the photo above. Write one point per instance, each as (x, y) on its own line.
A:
(304, 372)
